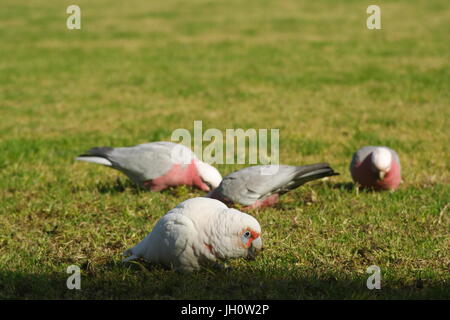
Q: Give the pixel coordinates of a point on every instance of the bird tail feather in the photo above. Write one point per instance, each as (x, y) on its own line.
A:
(129, 255)
(97, 160)
(97, 155)
(313, 172)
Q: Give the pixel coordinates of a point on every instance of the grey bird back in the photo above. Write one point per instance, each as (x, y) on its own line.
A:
(249, 184)
(140, 163)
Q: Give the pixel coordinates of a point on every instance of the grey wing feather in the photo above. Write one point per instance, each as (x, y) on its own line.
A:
(248, 185)
(361, 154)
(142, 162)
(395, 155)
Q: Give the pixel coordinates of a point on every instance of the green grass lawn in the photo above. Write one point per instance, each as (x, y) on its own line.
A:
(140, 69)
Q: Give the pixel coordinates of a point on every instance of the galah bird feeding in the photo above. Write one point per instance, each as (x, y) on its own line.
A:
(199, 232)
(261, 186)
(157, 165)
(376, 168)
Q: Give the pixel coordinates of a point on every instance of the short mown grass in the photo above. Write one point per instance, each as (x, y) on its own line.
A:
(138, 70)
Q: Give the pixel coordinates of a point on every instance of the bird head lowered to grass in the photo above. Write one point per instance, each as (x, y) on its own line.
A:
(260, 186)
(153, 165)
(199, 232)
(376, 167)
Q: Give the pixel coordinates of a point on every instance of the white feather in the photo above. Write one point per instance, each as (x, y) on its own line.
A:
(209, 174)
(98, 160)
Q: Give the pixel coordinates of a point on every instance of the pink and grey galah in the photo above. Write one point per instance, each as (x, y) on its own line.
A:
(157, 165)
(197, 233)
(261, 186)
(376, 167)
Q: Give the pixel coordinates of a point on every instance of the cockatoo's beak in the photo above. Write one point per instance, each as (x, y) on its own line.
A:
(257, 244)
(255, 248)
(381, 175)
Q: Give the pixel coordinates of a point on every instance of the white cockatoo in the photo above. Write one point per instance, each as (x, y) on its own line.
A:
(199, 232)
(157, 165)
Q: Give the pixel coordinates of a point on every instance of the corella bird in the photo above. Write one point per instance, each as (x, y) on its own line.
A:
(157, 165)
(199, 232)
(376, 167)
(261, 186)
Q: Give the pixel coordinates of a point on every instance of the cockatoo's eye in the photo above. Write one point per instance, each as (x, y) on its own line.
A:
(246, 237)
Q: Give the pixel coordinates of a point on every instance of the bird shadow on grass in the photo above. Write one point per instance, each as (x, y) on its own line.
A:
(125, 185)
(114, 280)
(344, 186)
(119, 186)
(353, 188)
